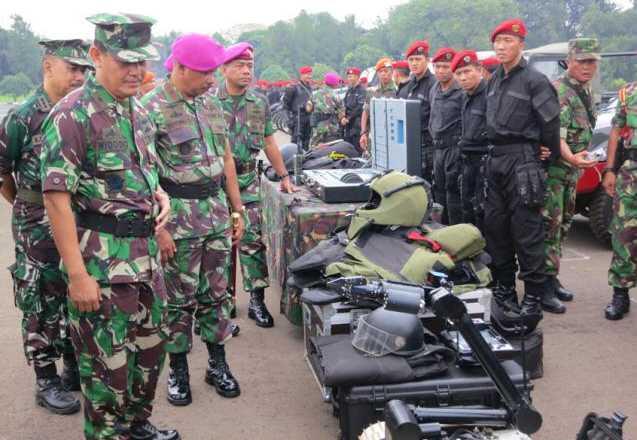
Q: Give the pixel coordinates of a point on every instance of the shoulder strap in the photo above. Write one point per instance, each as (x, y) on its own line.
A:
(586, 100)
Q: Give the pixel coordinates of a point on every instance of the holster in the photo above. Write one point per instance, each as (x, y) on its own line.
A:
(530, 180)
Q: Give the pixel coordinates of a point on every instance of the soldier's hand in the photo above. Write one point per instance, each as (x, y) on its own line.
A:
(580, 160)
(167, 247)
(286, 185)
(363, 142)
(164, 210)
(545, 152)
(84, 292)
(609, 183)
(344, 121)
(238, 228)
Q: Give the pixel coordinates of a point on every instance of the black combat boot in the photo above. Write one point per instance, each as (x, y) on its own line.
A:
(562, 293)
(258, 311)
(71, 373)
(620, 304)
(50, 393)
(550, 303)
(507, 298)
(179, 380)
(218, 372)
(147, 431)
(531, 310)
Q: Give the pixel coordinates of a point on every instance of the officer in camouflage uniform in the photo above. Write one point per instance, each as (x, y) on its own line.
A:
(327, 111)
(620, 181)
(577, 122)
(40, 290)
(102, 195)
(248, 117)
(385, 89)
(197, 171)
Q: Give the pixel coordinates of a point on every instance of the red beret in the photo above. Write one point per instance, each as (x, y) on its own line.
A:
(400, 64)
(418, 48)
(353, 71)
(305, 69)
(490, 63)
(444, 55)
(512, 27)
(363, 81)
(464, 58)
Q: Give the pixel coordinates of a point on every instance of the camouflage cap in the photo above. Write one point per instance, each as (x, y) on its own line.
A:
(584, 48)
(73, 51)
(125, 36)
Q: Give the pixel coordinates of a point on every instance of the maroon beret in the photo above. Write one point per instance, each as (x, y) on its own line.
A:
(464, 58)
(420, 47)
(444, 55)
(514, 26)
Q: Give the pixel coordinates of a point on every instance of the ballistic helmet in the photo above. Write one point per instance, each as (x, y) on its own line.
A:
(384, 332)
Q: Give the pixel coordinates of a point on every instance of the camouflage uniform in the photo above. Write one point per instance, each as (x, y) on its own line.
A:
(191, 139)
(249, 123)
(623, 267)
(102, 151)
(40, 290)
(559, 207)
(328, 108)
(378, 92)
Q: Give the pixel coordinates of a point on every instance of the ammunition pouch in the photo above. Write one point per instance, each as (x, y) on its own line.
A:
(531, 184)
(192, 191)
(133, 226)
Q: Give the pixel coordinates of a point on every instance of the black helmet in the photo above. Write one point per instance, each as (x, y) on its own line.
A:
(384, 332)
(287, 153)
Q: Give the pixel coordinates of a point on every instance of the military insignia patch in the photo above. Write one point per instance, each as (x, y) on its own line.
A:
(515, 28)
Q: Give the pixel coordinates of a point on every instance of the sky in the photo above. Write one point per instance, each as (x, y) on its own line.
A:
(65, 18)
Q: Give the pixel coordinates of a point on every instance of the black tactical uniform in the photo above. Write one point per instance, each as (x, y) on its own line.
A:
(473, 148)
(354, 101)
(522, 114)
(419, 89)
(445, 127)
(294, 101)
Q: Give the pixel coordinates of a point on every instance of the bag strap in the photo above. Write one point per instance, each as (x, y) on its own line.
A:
(586, 99)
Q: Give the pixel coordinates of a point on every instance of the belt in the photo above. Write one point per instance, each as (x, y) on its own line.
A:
(31, 196)
(192, 190)
(119, 227)
(445, 142)
(245, 167)
(502, 150)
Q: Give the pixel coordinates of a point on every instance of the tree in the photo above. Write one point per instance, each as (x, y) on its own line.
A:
(274, 73)
(319, 70)
(16, 85)
(363, 56)
(19, 51)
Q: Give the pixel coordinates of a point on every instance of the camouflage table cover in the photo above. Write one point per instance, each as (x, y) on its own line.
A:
(292, 225)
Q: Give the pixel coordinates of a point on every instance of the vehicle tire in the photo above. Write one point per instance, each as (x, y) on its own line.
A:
(601, 214)
(374, 432)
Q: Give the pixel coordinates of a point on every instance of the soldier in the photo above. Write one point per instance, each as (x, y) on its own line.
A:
(248, 117)
(489, 65)
(327, 111)
(577, 122)
(295, 101)
(40, 289)
(445, 127)
(473, 143)
(197, 171)
(353, 102)
(620, 182)
(418, 87)
(101, 193)
(385, 89)
(522, 115)
(400, 74)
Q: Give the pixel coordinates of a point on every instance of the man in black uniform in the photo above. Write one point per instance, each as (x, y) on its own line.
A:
(295, 102)
(354, 101)
(474, 142)
(418, 87)
(445, 128)
(522, 116)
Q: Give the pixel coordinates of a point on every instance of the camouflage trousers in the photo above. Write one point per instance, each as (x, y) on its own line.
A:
(197, 283)
(558, 212)
(40, 294)
(120, 352)
(254, 266)
(325, 131)
(623, 228)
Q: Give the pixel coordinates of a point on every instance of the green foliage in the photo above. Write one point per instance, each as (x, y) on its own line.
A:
(319, 70)
(16, 85)
(363, 56)
(274, 73)
(19, 51)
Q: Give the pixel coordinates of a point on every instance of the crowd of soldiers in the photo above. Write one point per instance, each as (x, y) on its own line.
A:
(130, 195)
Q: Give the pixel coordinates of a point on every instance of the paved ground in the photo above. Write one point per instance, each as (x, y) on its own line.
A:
(589, 366)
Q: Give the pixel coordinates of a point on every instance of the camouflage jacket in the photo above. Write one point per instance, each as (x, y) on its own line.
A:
(249, 123)
(327, 102)
(191, 140)
(626, 113)
(379, 92)
(102, 151)
(20, 150)
(575, 127)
